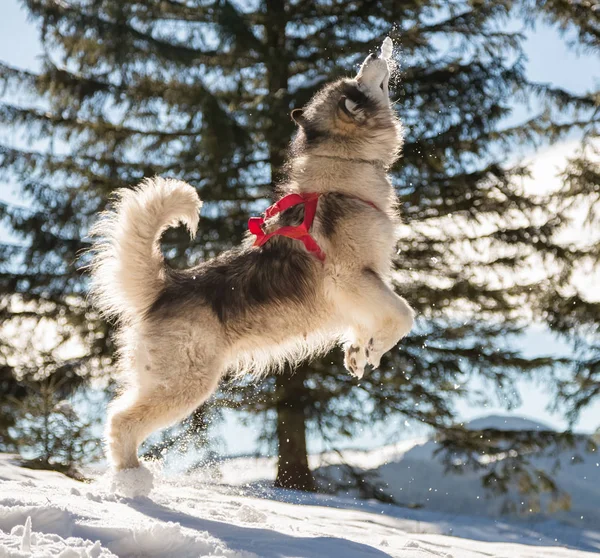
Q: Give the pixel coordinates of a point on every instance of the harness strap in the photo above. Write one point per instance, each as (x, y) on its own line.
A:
(299, 232)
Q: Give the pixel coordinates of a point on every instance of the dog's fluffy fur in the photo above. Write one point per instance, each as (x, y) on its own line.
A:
(251, 309)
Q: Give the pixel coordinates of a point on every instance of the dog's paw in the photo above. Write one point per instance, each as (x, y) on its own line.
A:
(355, 359)
(132, 483)
(376, 348)
(374, 352)
(387, 337)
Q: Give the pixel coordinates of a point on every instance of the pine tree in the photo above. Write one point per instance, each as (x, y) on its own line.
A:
(574, 313)
(202, 91)
(49, 432)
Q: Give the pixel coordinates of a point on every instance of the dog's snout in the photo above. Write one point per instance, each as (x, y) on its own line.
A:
(374, 74)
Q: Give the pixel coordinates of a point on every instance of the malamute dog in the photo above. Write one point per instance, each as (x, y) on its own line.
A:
(315, 272)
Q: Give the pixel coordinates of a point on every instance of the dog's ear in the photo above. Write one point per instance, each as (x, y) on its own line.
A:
(298, 117)
(350, 110)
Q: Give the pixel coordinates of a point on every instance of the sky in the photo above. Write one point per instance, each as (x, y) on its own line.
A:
(549, 61)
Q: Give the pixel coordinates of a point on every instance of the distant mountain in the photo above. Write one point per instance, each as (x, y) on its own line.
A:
(499, 422)
(416, 475)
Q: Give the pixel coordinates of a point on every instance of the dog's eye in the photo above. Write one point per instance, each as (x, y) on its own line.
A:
(381, 85)
(351, 106)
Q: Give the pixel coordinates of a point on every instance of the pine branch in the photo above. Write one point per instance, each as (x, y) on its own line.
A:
(69, 23)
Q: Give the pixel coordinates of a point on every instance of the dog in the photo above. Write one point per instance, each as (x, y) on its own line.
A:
(314, 273)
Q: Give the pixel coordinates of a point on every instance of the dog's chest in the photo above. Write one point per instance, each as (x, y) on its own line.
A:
(354, 231)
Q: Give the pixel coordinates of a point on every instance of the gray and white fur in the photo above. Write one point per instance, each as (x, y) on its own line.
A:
(252, 309)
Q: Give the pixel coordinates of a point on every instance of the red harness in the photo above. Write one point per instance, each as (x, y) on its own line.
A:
(299, 232)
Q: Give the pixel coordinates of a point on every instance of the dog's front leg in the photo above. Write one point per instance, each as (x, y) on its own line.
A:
(379, 319)
(356, 353)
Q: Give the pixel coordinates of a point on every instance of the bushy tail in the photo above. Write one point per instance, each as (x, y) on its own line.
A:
(128, 267)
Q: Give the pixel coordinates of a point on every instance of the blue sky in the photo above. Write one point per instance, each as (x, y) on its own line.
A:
(549, 61)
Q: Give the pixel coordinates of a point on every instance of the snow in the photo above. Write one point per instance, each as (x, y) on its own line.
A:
(415, 475)
(132, 482)
(46, 514)
(418, 477)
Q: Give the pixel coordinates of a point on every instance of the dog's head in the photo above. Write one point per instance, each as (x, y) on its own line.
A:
(352, 118)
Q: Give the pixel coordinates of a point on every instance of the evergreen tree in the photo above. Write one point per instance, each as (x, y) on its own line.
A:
(12, 391)
(202, 91)
(575, 313)
(49, 433)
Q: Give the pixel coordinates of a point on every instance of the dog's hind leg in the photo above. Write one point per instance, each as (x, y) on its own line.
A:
(137, 414)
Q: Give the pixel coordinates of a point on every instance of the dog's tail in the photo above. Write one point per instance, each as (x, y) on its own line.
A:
(128, 270)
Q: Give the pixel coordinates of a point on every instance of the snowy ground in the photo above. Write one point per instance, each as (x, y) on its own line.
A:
(185, 517)
(414, 475)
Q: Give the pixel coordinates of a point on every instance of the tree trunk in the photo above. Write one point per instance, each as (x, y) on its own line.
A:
(279, 126)
(293, 470)
(45, 391)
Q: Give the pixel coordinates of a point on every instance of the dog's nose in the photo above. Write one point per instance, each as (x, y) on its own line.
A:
(375, 71)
